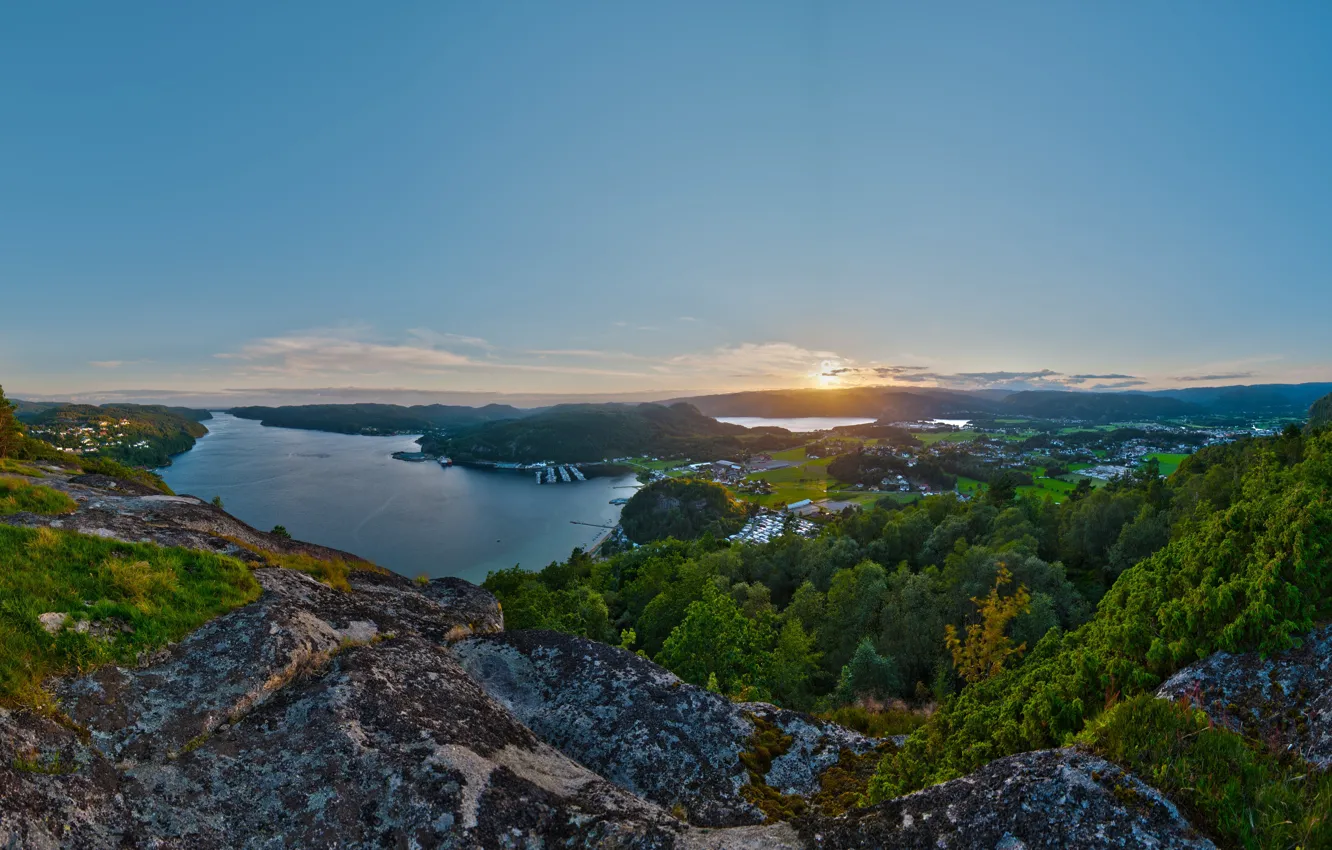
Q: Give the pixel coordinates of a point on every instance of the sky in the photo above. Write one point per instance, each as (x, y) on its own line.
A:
(597, 198)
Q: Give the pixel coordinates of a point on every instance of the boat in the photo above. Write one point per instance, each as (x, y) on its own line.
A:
(446, 461)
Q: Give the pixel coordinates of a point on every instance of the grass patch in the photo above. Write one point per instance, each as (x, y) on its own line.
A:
(18, 467)
(1232, 788)
(139, 597)
(18, 496)
(930, 439)
(335, 573)
(105, 466)
(332, 573)
(1169, 462)
(877, 724)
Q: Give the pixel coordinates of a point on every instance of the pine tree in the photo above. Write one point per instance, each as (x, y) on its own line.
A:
(11, 432)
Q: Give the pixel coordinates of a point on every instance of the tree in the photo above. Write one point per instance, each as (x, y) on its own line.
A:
(793, 663)
(11, 432)
(716, 638)
(985, 649)
(1002, 490)
(868, 674)
(281, 531)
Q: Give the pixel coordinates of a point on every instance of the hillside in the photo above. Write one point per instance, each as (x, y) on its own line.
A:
(136, 435)
(1097, 407)
(1107, 596)
(377, 419)
(683, 508)
(896, 403)
(1320, 414)
(888, 403)
(590, 433)
(281, 687)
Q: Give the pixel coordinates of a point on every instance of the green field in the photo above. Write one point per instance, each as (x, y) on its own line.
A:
(968, 485)
(947, 436)
(1169, 462)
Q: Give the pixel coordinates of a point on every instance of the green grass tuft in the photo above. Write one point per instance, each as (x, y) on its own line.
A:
(1234, 788)
(18, 496)
(134, 597)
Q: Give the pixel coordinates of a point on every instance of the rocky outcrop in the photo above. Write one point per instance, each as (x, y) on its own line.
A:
(645, 730)
(309, 718)
(1284, 700)
(400, 714)
(133, 513)
(1055, 799)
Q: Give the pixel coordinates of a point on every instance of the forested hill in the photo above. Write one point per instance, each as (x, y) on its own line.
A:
(376, 419)
(1320, 415)
(590, 433)
(893, 404)
(133, 434)
(1096, 407)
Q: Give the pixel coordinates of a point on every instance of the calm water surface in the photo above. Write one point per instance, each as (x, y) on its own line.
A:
(347, 492)
(801, 423)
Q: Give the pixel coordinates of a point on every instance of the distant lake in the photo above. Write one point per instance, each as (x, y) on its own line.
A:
(801, 423)
(347, 492)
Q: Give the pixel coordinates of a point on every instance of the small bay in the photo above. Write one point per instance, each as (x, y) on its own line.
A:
(348, 492)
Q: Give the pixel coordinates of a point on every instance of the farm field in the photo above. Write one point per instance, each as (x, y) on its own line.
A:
(947, 437)
(968, 485)
(1169, 462)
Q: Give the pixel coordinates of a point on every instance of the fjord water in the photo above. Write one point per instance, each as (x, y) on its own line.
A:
(799, 423)
(348, 492)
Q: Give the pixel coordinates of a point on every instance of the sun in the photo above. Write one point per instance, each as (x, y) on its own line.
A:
(825, 378)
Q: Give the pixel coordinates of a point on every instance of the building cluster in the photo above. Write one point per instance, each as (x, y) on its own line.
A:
(766, 527)
(77, 438)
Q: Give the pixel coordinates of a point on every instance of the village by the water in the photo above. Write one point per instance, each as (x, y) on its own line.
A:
(794, 491)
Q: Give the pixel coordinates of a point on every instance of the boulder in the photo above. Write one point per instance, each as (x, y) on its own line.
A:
(641, 727)
(1284, 700)
(1049, 799)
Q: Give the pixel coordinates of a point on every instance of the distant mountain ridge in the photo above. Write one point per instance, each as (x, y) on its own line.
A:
(374, 419)
(895, 403)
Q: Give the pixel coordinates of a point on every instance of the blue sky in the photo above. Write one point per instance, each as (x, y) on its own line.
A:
(609, 197)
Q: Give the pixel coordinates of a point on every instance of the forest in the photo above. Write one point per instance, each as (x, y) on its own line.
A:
(579, 433)
(378, 419)
(1000, 625)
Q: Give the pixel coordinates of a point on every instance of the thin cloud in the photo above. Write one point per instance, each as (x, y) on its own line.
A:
(1120, 385)
(429, 337)
(1221, 376)
(106, 364)
(1081, 379)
